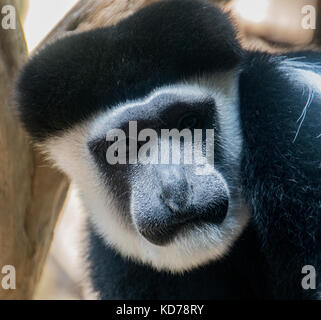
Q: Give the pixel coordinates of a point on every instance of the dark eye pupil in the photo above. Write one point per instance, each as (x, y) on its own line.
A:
(188, 121)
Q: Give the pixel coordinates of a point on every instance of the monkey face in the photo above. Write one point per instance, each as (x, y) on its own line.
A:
(156, 177)
(170, 203)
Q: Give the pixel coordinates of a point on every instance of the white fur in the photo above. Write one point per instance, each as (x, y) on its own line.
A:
(201, 244)
(223, 87)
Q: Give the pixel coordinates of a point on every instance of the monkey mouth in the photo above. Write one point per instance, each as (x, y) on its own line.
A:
(163, 233)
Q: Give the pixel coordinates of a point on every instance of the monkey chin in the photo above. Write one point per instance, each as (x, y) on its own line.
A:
(199, 245)
(193, 247)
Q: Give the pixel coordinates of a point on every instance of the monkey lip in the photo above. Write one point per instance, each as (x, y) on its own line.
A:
(162, 234)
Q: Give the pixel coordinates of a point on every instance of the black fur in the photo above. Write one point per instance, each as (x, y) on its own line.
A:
(164, 43)
(281, 174)
(237, 276)
(75, 77)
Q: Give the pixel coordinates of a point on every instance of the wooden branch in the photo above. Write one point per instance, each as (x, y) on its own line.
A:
(31, 193)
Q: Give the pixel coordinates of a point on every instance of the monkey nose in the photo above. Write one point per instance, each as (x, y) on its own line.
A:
(175, 191)
(179, 202)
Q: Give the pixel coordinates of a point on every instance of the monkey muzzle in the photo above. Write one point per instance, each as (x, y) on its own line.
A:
(178, 201)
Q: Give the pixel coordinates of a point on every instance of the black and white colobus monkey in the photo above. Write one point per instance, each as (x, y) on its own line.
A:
(161, 231)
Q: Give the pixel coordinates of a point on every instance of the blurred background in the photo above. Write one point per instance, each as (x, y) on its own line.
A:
(273, 25)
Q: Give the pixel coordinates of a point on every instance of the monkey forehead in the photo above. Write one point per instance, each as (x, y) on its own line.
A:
(165, 43)
(186, 96)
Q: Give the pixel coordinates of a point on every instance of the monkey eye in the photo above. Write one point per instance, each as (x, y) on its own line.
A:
(189, 121)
